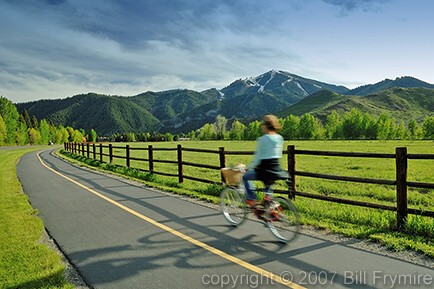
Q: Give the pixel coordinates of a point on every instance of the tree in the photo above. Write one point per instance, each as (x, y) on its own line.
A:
(333, 126)
(369, 124)
(44, 130)
(10, 116)
(207, 132)
(253, 131)
(3, 131)
(130, 137)
(21, 135)
(26, 118)
(290, 125)
(428, 127)
(401, 131)
(352, 125)
(414, 129)
(237, 131)
(92, 135)
(35, 123)
(169, 136)
(34, 136)
(310, 127)
(65, 134)
(384, 124)
(192, 135)
(220, 127)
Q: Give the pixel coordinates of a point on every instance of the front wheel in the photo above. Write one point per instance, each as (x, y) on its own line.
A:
(283, 220)
(233, 205)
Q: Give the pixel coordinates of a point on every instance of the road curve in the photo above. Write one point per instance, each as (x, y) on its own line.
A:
(121, 235)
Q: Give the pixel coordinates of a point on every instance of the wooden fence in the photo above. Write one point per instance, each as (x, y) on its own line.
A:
(401, 161)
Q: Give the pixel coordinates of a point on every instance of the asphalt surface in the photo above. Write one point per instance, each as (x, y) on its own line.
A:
(113, 248)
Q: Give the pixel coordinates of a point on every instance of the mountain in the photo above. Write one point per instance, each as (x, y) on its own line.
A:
(105, 114)
(405, 82)
(288, 87)
(183, 110)
(401, 103)
(250, 98)
(313, 103)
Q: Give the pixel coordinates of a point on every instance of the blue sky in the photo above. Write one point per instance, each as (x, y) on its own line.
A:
(58, 48)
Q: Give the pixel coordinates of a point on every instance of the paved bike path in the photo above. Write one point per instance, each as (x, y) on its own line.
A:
(113, 248)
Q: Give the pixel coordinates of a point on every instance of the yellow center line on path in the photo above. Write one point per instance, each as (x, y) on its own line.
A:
(198, 243)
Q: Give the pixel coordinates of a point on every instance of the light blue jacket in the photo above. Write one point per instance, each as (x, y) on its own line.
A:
(269, 146)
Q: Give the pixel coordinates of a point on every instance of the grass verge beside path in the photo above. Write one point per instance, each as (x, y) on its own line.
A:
(25, 262)
(350, 221)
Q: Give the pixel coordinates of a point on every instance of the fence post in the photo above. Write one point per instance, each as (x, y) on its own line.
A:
(88, 149)
(180, 167)
(94, 151)
(401, 187)
(75, 148)
(82, 149)
(110, 153)
(100, 153)
(291, 164)
(222, 160)
(151, 158)
(64, 146)
(127, 155)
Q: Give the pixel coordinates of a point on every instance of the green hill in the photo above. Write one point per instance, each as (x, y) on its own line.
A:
(105, 114)
(314, 103)
(401, 103)
(403, 82)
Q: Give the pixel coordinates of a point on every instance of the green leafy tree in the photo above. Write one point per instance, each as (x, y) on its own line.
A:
(78, 136)
(310, 127)
(352, 125)
(10, 116)
(369, 124)
(290, 126)
(65, 134)
(192, 135)
(130, 137)
(58, 136)
(3, 131)
(401, 131)
(333, 126)
(21, 135)
(169, 136)
(384, 125)
(414, 129)
(44, 130)
(253, 131)
(92, 135)
(35, 123)
(220, 125)
(428, 127)
(237, 131)
(26, 118)
(207, 132)
(34, 136)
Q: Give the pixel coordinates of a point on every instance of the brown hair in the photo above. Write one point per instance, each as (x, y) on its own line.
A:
(272, 122)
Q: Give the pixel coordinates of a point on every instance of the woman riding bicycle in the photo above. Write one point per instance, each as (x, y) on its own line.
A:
(265, 165)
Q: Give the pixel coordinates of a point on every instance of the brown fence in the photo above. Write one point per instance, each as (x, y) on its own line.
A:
(401, 161)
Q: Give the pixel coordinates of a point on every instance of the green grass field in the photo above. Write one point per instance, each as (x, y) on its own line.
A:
(349, 220)
(25, 262)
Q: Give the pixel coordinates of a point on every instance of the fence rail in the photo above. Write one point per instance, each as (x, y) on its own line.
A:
(401, 162)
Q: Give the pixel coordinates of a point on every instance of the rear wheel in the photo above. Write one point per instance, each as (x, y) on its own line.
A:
(233, 205)
(283, 219)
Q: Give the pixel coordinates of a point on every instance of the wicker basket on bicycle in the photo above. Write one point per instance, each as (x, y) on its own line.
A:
(233, 175)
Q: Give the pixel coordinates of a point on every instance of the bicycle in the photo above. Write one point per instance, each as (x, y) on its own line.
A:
(278, 213)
